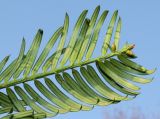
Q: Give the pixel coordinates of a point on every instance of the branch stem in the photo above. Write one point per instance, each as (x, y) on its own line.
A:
(58, 70)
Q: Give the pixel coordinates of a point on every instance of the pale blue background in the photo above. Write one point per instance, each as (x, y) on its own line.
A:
(140, 26)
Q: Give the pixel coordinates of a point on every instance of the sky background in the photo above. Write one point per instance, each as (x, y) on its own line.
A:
(140, 26)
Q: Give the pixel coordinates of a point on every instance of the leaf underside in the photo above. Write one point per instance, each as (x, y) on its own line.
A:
(113, 78)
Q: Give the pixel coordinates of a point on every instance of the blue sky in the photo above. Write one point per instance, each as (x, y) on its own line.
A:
(140, 26)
